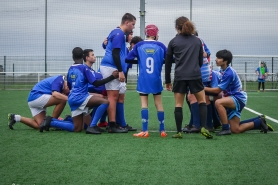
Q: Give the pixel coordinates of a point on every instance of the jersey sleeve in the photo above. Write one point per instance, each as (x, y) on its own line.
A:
(226, 79)
(89, 75)
(132, 54)
(58, 84)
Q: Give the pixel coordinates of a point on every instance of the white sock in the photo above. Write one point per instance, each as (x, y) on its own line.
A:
(17, 117)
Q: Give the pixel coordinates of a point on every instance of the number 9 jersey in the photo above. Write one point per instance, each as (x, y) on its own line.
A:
(150, 55)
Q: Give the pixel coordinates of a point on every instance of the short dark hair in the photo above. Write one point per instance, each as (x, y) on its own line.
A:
(86, 53)
(128, 17)
(135, 40)
(77, 53)
(226, 55)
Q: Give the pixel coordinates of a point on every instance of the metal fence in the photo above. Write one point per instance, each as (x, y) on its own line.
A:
(23, 72)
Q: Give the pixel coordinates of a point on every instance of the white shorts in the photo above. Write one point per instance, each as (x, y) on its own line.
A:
(114, 84)
(37, 106)
(82, 109)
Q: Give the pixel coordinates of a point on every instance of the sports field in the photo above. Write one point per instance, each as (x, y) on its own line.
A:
(58, 157)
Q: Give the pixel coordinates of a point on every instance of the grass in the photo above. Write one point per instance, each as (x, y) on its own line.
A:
(59, 157)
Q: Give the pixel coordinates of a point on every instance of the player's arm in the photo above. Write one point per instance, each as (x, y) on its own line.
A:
(92, 80)
(104, 44)
(168, 68)
(57, 88)
(213, 91)
(131, 56)
(201, 60)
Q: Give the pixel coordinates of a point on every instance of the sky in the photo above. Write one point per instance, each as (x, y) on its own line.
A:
(246, 27)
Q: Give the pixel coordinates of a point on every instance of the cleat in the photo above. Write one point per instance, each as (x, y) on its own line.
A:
(45, 125)
(177, 135)
(11, 121)
(102, 124)
(142, 134)
(129, 128)
(193, 130)
(163, 134)
(100, 129)
(186, 128)
(206, 133)
(211, 129)
(224, 132)
(264, 127)
(116, 129)
(93, 130)
(218, 128)
(270, 128)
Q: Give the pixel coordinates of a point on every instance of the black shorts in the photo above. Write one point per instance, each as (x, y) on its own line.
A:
(141, 94)
(184, 85)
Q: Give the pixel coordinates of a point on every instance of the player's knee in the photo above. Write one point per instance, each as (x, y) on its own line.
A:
(235, 130)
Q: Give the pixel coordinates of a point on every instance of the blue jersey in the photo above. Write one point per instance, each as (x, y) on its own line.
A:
(216, 76)
(150, 55)
(116, 39)
(78, 78)
(92, 88)
(231, 85)
(47, 86)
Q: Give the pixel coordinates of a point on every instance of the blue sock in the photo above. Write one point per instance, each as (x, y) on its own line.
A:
(94, 111)
(103, 117)
(226, 126)
(257, 123)
(248, 120)
(85, 126)
(65, 125)
(191, 120)
(99, 112)
(195, 114)
(145, 119)
(160, 116)
(209, 116)
(120, 114)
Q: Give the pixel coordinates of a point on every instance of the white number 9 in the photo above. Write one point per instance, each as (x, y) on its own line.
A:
(149, 65)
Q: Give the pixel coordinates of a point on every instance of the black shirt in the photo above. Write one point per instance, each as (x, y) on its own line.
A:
(188, 53)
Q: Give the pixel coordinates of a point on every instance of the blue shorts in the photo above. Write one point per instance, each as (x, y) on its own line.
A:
(235, 112)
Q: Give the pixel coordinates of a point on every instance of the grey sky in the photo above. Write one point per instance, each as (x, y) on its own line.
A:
(244, 27)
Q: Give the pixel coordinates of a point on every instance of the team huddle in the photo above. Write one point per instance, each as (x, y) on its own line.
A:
(96, 98)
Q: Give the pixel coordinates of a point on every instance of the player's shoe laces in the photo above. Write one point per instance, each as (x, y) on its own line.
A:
(11, 121)
(142, 134)
(206, 133)
(163, 134)
(177, 135)
(102, 124)
(45, 125)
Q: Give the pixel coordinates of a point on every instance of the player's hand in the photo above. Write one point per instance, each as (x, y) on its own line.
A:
(105, 41)
(115, 74)
(169, 87)
(205, 55)
(121, 76)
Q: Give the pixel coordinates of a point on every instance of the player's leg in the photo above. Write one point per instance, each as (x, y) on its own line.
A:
(160, 113)
(101, 106)
(144, 116)
(259, 86)
(197, 88)
(221, 105)
(38, 111)
(263, 86)
(179, 99)
(195, 127)
(209, 124)
(59, 106)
